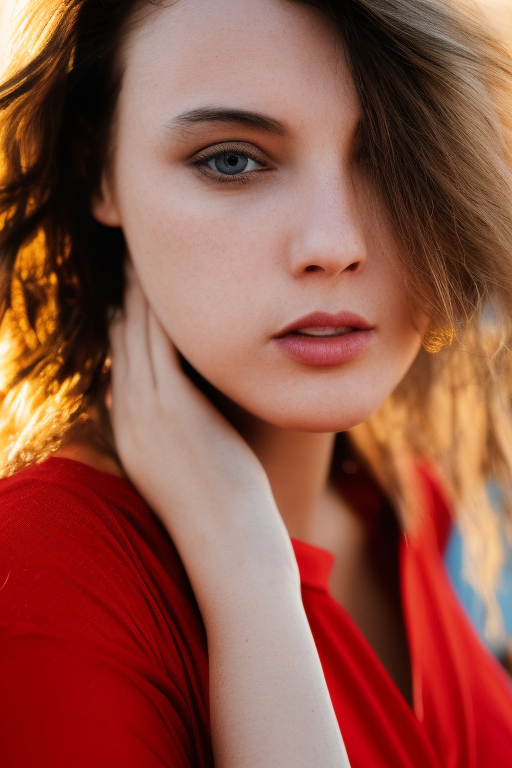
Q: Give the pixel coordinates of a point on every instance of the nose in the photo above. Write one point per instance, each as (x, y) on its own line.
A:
(329, 233)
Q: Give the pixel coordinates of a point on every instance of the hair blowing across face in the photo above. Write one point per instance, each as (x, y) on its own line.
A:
(435, 91)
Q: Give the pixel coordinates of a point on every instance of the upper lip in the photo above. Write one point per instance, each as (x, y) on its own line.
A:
(326, 320)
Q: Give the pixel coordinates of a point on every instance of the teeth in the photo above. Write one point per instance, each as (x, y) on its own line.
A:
(340, 331)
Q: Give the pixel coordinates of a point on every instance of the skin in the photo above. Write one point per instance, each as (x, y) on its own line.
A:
(225, 266)
(220, 267)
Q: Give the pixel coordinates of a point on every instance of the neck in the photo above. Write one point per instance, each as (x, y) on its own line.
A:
(298, 466)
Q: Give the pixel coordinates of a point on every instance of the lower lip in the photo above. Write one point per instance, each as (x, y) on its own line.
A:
(327, 350)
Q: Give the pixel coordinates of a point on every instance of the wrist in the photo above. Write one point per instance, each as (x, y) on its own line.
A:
(236, 549)
(266, 617)
(248, 592)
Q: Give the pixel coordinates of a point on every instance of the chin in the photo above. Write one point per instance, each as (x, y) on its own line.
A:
(312, 410)
(332, 418)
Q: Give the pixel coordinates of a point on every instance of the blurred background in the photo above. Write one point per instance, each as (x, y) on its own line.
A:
(499, 13)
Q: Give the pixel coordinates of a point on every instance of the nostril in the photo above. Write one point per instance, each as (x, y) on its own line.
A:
(312, 268)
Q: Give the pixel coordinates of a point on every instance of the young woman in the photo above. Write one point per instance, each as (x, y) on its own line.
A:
(234, 230)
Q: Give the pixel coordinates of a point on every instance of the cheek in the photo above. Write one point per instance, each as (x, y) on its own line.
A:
(403, 322)
(401, 332)
(205, 273)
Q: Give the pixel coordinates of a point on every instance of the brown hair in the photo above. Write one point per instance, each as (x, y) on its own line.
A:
(435, 90)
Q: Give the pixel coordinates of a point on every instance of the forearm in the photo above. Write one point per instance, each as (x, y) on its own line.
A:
(269, 701)
(270, 705)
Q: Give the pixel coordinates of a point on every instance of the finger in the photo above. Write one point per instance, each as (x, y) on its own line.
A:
(166, 363)
(117, 352)
(140, 367)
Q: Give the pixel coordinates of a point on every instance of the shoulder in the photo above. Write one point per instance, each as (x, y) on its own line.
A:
(93, 594)
(61, 497)
(64, 506)
(78, 542)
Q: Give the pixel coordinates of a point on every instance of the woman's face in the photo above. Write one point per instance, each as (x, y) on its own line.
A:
(237, 184)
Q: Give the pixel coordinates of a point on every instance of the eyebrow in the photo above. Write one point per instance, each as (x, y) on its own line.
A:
(227, 115)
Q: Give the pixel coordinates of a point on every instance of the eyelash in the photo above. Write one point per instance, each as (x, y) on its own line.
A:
(201, 163)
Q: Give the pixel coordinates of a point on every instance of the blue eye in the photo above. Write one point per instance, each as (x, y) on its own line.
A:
(231, 163)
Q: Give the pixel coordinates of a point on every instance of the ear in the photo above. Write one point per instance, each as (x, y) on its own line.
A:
(103, 204)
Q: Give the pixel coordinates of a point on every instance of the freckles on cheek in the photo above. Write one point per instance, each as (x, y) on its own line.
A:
(190, 245)
(199, 273)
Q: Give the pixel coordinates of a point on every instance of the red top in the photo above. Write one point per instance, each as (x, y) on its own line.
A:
(103, 657)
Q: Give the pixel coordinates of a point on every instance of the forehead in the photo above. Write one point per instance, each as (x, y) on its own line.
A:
(269, 55)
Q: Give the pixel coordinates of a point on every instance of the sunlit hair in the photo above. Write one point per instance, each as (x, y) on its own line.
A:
(436, 140)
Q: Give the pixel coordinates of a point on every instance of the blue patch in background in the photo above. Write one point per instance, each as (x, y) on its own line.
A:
(471, 601)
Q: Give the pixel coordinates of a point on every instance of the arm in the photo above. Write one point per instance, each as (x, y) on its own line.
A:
(269, 700)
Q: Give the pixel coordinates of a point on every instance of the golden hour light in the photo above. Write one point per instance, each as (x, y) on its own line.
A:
(9, 11)
(43, 403)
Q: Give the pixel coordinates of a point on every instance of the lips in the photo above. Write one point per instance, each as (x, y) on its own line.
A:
(323, 339)
(326, 320)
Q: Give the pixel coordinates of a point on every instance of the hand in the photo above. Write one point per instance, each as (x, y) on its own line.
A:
(207, 486)
(190, 465)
